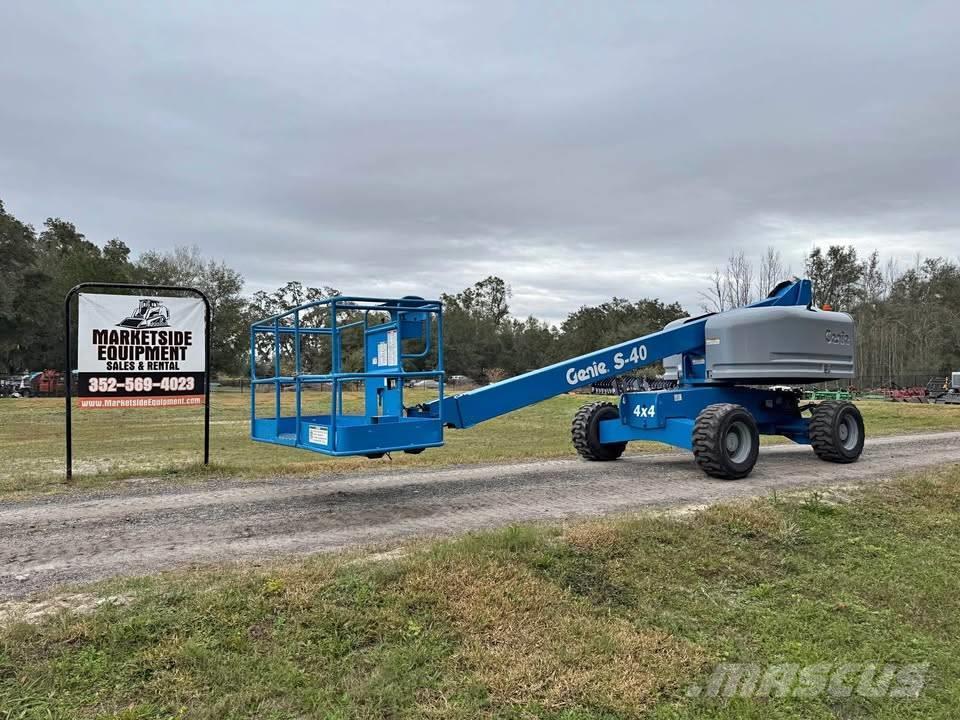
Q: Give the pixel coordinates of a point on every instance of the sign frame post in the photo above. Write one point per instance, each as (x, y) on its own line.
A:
(68, 355)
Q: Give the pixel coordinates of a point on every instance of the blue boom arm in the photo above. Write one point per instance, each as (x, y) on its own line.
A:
(488, 402)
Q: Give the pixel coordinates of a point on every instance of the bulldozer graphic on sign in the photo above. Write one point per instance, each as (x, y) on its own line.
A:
(149, 314)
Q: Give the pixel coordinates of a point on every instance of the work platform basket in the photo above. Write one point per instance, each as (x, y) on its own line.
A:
(337, 369)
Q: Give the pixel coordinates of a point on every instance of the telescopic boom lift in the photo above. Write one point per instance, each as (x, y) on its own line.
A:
(731, 371)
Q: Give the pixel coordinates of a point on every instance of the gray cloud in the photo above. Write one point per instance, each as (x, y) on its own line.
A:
(577, 150)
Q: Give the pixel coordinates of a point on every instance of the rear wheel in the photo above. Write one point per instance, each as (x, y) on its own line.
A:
(586, 432)
(836, 432)
(726, 441)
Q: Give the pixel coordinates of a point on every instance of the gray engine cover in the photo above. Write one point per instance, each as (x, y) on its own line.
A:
(768, 345)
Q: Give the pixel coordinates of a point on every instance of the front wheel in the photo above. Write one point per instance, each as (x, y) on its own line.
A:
(836, 432)
(586, 432)
(726, 441)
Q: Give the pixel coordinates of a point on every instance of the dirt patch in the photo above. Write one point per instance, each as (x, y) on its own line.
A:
(387, 555)
(34, 611)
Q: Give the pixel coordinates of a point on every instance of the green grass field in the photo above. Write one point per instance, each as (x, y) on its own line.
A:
(597, 620)
(149, 443)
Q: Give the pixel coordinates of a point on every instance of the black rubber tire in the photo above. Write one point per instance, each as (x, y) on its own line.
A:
(586, 432)
(375, 456)
(414, 451)
(836, 431)
(714, 453)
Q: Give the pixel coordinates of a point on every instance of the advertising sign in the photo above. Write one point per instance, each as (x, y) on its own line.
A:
(140, 351)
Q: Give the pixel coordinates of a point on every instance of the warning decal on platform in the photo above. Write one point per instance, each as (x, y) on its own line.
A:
(318, 434)
(391, 347)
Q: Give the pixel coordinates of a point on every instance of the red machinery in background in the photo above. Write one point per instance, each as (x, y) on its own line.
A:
(48, 383)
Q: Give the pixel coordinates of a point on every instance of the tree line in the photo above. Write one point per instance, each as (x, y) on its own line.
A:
(906, 318)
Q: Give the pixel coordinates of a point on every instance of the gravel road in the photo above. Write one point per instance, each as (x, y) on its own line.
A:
(143, 528)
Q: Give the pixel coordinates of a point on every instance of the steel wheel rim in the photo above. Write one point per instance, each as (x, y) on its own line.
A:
(848, 432)
(738, 442)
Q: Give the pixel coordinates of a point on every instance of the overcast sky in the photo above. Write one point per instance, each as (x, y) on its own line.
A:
(577, 149)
